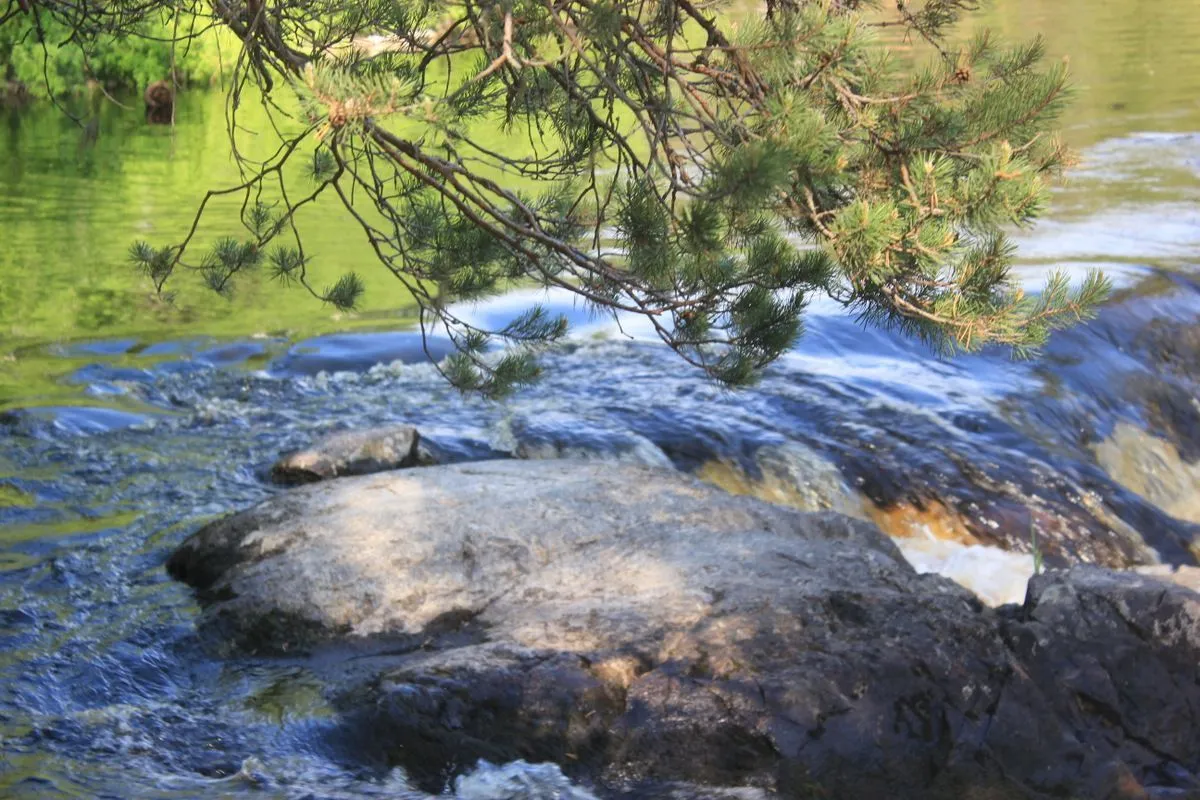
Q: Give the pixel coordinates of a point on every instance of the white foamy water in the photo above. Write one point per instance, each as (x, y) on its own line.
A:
(517, 780)
(995, 576)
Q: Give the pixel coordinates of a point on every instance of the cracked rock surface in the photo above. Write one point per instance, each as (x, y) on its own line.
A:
(642, 629)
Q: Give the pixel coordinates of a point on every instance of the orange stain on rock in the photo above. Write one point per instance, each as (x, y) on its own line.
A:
(906, 521)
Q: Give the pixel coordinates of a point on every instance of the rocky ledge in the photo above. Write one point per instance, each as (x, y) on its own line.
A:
(641, 629)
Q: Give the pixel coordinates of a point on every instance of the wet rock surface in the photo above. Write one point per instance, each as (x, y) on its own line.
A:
(550, 435)
(641, 629)
(1154, 469)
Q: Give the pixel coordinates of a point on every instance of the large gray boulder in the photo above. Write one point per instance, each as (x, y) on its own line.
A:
(641, 629)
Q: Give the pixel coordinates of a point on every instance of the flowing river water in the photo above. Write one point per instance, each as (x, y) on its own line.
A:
(125, 423)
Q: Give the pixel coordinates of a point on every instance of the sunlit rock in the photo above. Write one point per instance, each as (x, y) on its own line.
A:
(637, 627)
(354, 452)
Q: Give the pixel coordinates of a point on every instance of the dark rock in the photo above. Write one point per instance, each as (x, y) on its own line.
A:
(160, 102)
(355, 452)
(1170, 408)
(641, 629)
(14, 92)
(1173, 345)
(1115, 656)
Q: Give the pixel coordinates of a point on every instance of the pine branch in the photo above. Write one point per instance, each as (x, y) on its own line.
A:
(707, 182)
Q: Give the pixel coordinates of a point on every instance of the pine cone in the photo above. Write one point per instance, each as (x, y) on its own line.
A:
(337, 115)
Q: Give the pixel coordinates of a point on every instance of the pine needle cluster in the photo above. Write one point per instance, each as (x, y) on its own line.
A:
(707, 168)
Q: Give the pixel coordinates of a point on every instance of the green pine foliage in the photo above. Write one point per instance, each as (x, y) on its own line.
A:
(708, 176)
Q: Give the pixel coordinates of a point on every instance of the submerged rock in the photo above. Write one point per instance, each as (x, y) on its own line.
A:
(789, 474)
(640, 628)
(970, 478)
(550, 435)
(1153, 469)
(355, 452)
